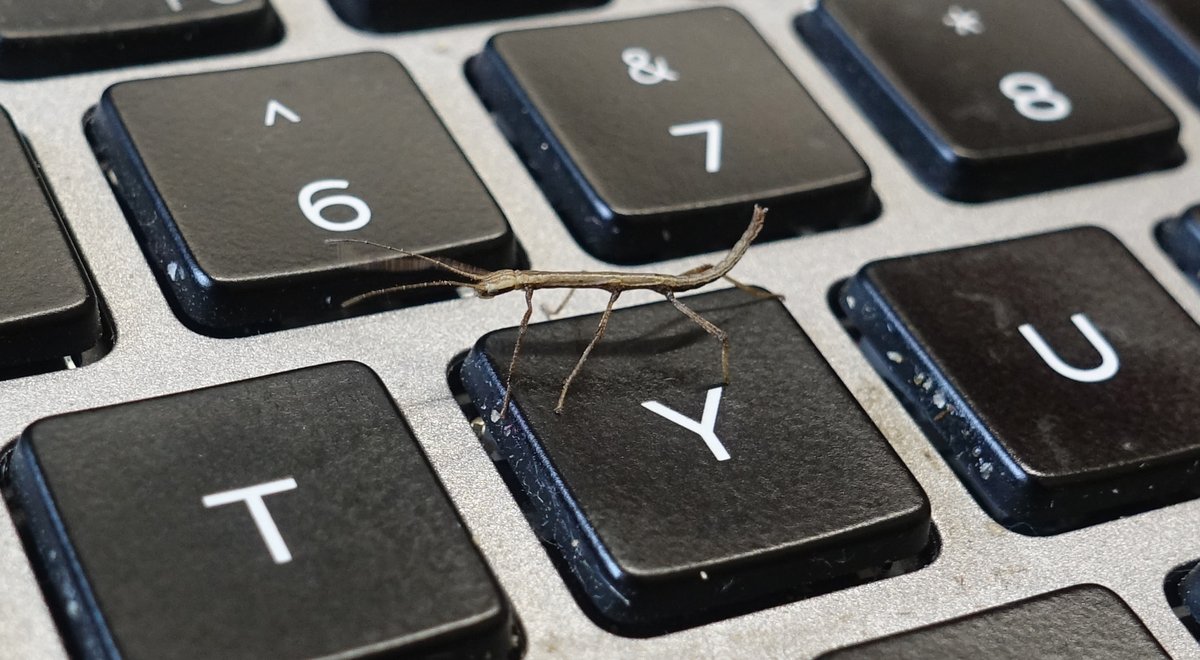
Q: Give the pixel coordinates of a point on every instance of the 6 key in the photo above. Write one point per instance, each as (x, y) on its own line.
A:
(235, 180)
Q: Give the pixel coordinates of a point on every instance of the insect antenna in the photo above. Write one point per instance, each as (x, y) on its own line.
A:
(350, 302)
(450, 265)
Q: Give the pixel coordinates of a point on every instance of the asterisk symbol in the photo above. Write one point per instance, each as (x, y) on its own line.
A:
(964, 21)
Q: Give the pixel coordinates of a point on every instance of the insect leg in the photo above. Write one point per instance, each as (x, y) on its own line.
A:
(562, 396)
(711, 329)
(512, 364)
(757, 293)
(551, 313)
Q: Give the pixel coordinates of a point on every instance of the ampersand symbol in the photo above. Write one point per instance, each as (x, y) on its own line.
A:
(647, 71)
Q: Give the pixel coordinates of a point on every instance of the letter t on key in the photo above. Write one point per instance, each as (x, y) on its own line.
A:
(703, 428)
(253, 497)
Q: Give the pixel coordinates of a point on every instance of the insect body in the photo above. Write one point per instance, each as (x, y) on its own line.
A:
(488, 284)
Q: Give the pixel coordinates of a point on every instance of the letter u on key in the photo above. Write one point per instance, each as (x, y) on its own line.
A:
(1110, 362)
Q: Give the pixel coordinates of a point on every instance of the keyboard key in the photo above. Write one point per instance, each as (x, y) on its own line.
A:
(1053, 372)
(397, 15)
(47, 308)
(236, 180)
(286, 516)
(1189, 595)
(650, 141)
(1180, 237)
(1169, 31)
(1080, 622)
(675, 499)
(49, 37)
(991, 98)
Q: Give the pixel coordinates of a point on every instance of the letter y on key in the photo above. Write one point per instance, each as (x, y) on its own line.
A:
(703, 428)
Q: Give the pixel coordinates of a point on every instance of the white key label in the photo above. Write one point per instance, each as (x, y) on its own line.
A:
(312, 209)
(712, 151)
(253, 497)
(275, 109)
(1035, 97)
(964, 22)
(1110, 362)
(647, 70)
(177, 5)
(704, 428)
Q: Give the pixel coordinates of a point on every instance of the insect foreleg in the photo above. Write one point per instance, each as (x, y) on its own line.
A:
(562, 396)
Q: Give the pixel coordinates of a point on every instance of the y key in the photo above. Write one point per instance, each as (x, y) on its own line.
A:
(674, 499)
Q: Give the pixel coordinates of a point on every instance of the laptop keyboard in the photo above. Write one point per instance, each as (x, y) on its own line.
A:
(955, 417)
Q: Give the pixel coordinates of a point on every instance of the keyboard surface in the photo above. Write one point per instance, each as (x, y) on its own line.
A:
(980, 565)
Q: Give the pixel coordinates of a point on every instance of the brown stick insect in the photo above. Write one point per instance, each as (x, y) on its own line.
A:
(489, 284)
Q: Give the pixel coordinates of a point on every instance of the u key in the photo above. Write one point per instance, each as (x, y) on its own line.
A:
(1053, 424)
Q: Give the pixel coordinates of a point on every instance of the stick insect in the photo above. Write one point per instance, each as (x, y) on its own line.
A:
(489, 284)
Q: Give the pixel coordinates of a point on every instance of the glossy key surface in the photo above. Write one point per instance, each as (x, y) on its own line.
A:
(1079, 622)
(47, 307)
(656, 135)
(992, 98)
(396, 15)
(237, 181)
(1053, 372)
(288, 516)
(48, 37)
(673, 498)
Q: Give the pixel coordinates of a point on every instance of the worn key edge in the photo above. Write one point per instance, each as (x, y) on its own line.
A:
(43, 530)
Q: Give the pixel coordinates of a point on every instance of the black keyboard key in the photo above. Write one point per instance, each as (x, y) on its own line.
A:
(49, 37)
(674, 499)
(651, 141)
(286, 516)
(1053, 372)
(1079, 622)
(1189, 594)
(1169, 30)
(993, 98)
(47, 307)
(397, 15)
(235, 180)
(1180, 237)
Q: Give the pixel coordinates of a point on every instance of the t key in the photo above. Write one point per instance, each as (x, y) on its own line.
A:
(47, 308)
(283, 517)
(49, 37)
(656, 135)
(989, 98)
(674, 498)
(236, 180)
(1053, 372)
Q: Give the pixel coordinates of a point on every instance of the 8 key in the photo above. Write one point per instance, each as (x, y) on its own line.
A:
(992, 98)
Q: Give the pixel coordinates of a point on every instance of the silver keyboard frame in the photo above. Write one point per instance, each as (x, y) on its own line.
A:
(981, 564)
